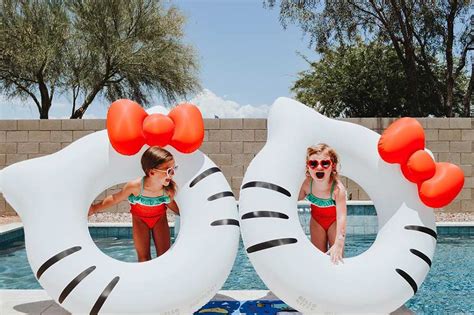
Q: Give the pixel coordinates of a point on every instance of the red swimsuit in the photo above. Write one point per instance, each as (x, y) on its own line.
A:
(323, 211)
(149, 209)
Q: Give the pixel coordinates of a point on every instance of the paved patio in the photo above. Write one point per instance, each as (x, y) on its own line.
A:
(38, 302)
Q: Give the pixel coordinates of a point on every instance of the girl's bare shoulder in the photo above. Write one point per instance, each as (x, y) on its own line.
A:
(339, 189)
(134, 186)
(305, 185)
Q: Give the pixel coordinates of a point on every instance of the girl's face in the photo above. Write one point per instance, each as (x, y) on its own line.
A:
(320, 166)
(163, 173)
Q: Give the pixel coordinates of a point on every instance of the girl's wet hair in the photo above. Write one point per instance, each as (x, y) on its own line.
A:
(154, 157)
(322, 148)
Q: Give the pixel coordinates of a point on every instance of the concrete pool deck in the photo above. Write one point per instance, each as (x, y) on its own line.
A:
(38, 301)
(13, 302)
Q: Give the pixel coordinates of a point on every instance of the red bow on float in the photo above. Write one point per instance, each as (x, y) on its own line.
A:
(403, 142)
(130, 127)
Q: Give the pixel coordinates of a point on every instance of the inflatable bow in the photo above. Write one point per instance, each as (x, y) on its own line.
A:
(403, 142)
(130, 127)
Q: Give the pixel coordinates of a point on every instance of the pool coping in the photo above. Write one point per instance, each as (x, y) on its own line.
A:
(6, 228)
(454, 223)
(10, 227)
(13, 232)
(348, 202)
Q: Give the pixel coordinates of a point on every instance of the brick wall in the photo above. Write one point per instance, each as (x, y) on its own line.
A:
(232, 144)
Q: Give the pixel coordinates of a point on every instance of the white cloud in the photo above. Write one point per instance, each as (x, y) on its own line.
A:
(91, 116)
(208, 102)
(158, 110)
(59, 117)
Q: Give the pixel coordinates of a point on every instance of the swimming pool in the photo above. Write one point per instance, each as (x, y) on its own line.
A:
(448, 288)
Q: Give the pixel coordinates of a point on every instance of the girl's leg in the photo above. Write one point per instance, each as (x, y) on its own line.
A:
(318, 236)
(332, 234)
(141, 239)
(161, 236)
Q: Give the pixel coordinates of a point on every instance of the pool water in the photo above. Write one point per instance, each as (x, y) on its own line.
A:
(448, 288)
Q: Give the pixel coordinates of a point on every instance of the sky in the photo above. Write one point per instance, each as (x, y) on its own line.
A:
(246, 58)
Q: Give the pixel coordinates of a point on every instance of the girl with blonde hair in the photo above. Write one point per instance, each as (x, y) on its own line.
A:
(327, 195)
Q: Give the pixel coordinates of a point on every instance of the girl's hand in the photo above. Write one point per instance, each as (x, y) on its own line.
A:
(173, 207)
(336, 252)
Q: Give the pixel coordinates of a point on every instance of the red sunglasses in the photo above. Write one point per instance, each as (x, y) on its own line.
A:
(324, 164)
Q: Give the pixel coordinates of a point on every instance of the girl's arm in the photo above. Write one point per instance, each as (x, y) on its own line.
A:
(303, 189)
(337, 250)
(173, 207)
(114, 199)
(341, 212)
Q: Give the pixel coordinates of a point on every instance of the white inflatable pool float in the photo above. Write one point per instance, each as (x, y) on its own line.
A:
(52, 195)
(381, 279)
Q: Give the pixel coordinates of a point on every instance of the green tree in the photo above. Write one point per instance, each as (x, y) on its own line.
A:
(33, 37)
(365, 80)
(84, 48)
(418, 31)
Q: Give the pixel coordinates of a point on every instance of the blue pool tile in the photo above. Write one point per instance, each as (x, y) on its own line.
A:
(11, 237)
(371, 229)
(97, 231)
(102, 232)
(361, 210)
(355, 220)
(112, 232)
(367, 225)
(455, 230)
(359, 230)
(123, 231)
(92, 231)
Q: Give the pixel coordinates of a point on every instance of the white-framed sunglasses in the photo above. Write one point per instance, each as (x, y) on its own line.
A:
(170, 171)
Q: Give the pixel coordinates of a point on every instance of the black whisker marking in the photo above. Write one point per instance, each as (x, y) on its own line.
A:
(225, 222)
(55, 259)
(264, 214)
(203, 175)
(104, 295)
(422, 229)
(408, 279)
(421, 255)
(221, 195)
(68, 289)
(267, 186)
(270, 244)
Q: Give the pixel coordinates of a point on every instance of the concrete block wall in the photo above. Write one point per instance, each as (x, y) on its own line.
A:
(232, 144)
